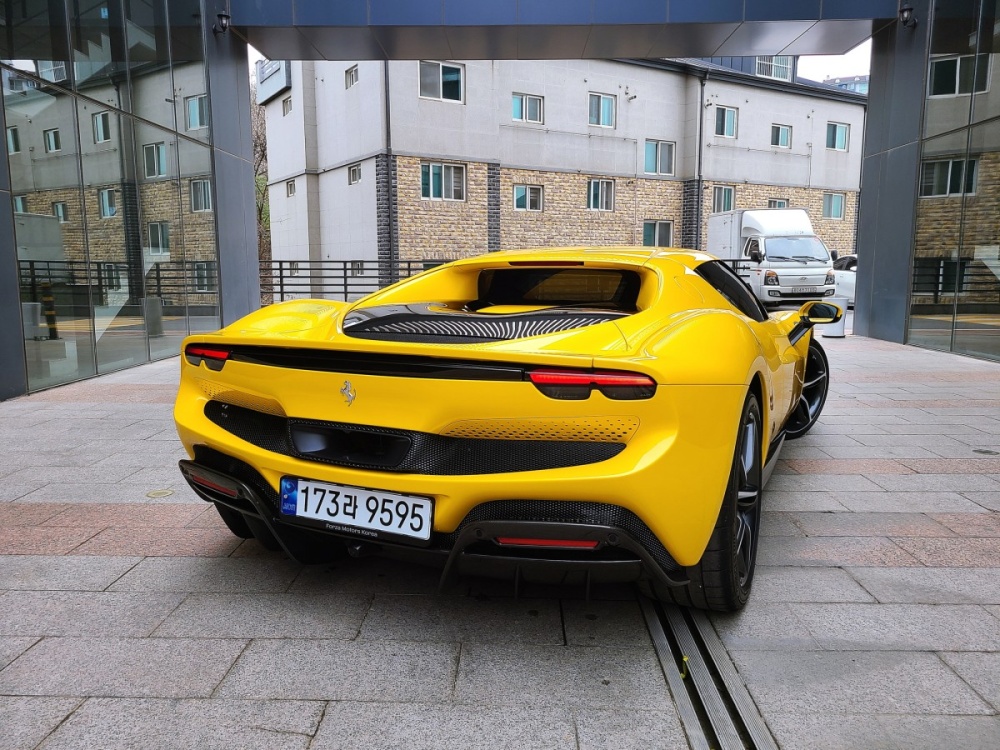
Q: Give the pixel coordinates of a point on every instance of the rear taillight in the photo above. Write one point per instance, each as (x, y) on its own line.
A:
(213, 357)
(579, 384)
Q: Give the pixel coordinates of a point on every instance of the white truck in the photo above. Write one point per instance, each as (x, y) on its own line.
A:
(777, 252)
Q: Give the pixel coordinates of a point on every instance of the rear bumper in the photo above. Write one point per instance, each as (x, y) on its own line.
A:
(784, 293)
(624, 549)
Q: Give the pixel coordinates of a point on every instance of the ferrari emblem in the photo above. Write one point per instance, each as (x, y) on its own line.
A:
(348, 392)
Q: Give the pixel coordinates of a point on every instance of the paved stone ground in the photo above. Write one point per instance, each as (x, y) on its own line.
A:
(131, 618)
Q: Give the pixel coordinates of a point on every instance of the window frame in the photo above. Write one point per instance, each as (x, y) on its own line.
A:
(724, 109)
(958, 76)
(354, 174)
(440, 97)
(718, 190)
(109, 275)
(351, 77)
(964, 177)
(525, 109)
(159, 151)
(847, 135)
(444, 167)
(162, 231)
(657, 224)
(290, 188)
(776, 201)
(658, 147)
(202, 100)
(104, 129)
(528, 189)
(600, 111)
(20, 204)
(107, 209)
(61, 213)
(286, 106)
(53, 145)
(772, 63)
(605, 194)
(204, 189)
(13, 140)
(204, 270)
(777, 126)
(843, 206)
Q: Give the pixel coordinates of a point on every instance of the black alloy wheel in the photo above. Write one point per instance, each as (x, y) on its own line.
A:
(816, 384)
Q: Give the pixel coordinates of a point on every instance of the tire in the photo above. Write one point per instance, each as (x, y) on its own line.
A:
(235, 521)
(816, 384)
(722, 579)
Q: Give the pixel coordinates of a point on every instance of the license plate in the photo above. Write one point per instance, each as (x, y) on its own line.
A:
(803, 289)
(356, 509)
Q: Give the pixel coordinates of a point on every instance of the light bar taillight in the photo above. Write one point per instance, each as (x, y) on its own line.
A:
(579, 384)
(516, 541)
(213, 356)
(215, 486)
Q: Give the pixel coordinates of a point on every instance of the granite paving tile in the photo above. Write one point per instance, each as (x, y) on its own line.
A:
(72, 474)
(981, 671)
(919, 441)
(647, 729)
(462, 619)
(848, 466)
(615, 624)
(121, 667)
(35, 540)
(371, 575)
(931, 585)
(127, 515)
(821, 483)
(348, 725)
(260, 615)
(28, 721)
(971, 524)
(808, 731)
(885, 452)
(204, 575)
(9, 492)
(986, 500)
(62, 492)
(953, 465)
(908, 502)
(936, 482)
(763, 626)
(338, 671)
(11, 648)
(953, 553)
(846, 682)
(862, 524)
(560, 676)
(189, 723)
(779, 584)
(794, 501)
(28, 514)
(900, 627)
(834, 552)
(924, 428)
(62, 573)
(778, 523)
(160, 542)
(79, 613)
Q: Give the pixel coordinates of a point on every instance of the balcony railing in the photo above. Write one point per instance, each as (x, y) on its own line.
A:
(346, 280)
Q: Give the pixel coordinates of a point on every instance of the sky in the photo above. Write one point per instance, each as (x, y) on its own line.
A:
(855, 63)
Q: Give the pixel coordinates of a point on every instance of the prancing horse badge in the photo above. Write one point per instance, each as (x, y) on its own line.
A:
(348, 392)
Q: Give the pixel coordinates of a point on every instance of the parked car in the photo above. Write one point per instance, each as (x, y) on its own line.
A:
(845, 271)
(562, 414)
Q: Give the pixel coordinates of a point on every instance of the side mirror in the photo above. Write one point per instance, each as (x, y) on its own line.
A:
(755, 255)
(819, 313)
(834, 255)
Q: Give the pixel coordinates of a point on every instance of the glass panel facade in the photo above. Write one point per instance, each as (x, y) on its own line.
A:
(955, 292)
(106, 138)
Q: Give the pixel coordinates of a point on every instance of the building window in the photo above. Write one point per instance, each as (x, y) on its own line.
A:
(527, 108)
(286, 105)
(102, 127)
(204, 276)
(781, 136)
(959, 75)
(52, 70)
(109, 277)
(353, 174)
(52, 140)
(350, 76)
(602, 110)
(725, 121)
(159, 238)
(777, 202)
(60, 211)
(833, 205)
(290, 188)
(837, 135)
(13, 141)
(778, 66)
(201, 196)
(442, 181)
(108, 201)
(293, 268)
(441, 81)
(953, 177)
(601, 195)
(722, 198)
(154, 156)
(196, 111)
(20, 204)
(357, 268)
(657, 233)
(528, 197)
(659, 157)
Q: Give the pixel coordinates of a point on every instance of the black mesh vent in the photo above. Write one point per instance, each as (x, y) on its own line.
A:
(364, 447)
(602, 514)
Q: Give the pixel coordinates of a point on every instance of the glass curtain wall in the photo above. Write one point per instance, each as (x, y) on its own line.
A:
(108, 145)
(955, 303)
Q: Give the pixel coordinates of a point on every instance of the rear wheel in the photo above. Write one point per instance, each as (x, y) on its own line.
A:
(722, 578)
(815, 385)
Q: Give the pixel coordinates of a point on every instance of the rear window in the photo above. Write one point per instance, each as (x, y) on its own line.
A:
(578, 287)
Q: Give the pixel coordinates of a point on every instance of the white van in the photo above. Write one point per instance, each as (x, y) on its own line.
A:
(780, 257)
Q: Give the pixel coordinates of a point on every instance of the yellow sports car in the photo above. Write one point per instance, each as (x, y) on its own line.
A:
(587, 414)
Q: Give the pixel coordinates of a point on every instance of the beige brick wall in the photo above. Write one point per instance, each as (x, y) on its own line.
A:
(940, 221)
(838, 234)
